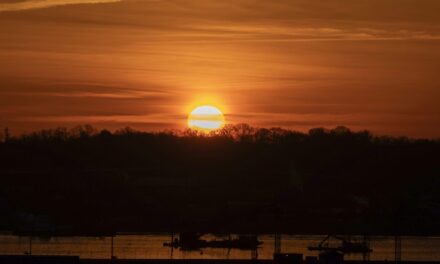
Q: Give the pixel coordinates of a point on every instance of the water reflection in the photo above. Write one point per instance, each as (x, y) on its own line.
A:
(151, 246)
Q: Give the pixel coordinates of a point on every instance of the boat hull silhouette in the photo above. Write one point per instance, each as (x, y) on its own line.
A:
(193, 242)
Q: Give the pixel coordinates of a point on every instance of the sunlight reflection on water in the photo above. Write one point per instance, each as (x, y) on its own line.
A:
(150, 246)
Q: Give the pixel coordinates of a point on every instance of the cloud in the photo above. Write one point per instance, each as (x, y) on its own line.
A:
(292, 63)
(34, 4)
(281, 32)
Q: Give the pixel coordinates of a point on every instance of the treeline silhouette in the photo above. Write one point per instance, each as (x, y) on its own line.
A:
(238, 179)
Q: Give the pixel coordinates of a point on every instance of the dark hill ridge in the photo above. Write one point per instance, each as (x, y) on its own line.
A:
(239, 179)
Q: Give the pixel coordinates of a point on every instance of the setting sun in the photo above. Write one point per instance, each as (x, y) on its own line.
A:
(206, 118)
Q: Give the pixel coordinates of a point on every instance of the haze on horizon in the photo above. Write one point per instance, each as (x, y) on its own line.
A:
(298, 64)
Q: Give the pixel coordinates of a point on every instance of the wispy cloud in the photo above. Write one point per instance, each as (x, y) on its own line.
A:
(160, 118)
(295, 63)
(295, 33)
(34, 4)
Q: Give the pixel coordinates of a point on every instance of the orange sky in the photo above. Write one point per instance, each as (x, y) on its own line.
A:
(365, 64)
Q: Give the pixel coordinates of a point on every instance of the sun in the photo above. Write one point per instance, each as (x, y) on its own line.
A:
(206, 118)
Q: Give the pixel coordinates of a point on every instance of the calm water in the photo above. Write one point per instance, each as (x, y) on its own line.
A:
(151, 246)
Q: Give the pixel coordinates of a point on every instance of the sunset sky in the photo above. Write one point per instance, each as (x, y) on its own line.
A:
(299, 64)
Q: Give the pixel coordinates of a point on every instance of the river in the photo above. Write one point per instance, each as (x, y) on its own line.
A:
(150, 246)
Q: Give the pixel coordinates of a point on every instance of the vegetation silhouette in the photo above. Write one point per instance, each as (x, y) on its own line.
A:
(238, 179)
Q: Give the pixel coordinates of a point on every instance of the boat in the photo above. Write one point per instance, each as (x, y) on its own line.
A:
(347, 246)
(242, 242)
(193, 241)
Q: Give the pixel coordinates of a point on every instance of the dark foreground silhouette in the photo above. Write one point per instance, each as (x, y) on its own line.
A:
(240, 179)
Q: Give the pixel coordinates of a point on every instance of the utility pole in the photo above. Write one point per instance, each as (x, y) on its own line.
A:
(397, 248)
(277, 246)
(366, 242)
(397, 236)
(112, 255)
(30, 245)
(254, 254)
(172, 245)
(254, 251)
